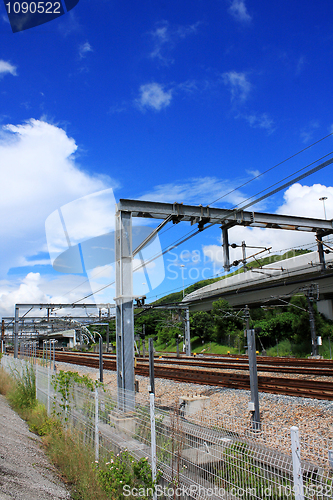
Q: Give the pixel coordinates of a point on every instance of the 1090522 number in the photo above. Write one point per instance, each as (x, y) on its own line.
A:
(33, 7)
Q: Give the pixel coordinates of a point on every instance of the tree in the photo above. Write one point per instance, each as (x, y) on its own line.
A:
(202, 325)
(227, 323)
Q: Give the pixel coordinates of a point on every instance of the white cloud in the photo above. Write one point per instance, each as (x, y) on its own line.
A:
(239, 11)
(153, 95)
(254, 173)
(260, 121)
(38, 174)
(307, 132)
(205, 189)
(27, 292)
(166, 37)
(300, 201)
(6, 67)
(35, 288)
(238, 84)
(84, 48)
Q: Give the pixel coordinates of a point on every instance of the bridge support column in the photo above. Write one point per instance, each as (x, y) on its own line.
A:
(124, 311)
(325, 307)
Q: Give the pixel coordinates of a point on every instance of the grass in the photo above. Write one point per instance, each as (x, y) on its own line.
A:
(197, 346)
(324, 350)
(74, 461)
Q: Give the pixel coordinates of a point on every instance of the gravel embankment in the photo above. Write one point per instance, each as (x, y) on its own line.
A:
(25, 471)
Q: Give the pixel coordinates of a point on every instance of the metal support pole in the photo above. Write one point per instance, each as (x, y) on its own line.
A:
(36, 379)
(100, 359)
(297, 470)
(144, 340)
(54, 365)
(251, 347)
(177, 341)
(310, 299)
(329, 344)
(2, 335)
(124, 310)
(251, 344)
(225, 245)
(321, 251)
(187, 332)
(96, 425)
(107, 337)
(48, 388)
(244, 255)
(16, 325)
(152, 413)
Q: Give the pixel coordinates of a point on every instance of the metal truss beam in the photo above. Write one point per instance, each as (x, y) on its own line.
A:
(226, 218)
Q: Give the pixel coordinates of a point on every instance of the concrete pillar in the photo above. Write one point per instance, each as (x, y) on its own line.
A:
(325, 307)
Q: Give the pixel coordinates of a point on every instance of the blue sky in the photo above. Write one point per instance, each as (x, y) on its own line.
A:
(168, 101)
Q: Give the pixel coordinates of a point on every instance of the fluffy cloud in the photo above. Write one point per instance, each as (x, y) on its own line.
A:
(38, 289)
(6, 67)
(38, 174)
(238, 84)
(239, 11)
(298, 200)
(153, 96)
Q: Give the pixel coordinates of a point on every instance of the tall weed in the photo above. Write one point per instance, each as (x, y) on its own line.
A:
(23, 394)
(6, 382)
(76, 463)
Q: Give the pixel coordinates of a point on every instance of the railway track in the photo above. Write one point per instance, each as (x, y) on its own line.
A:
(208, 372)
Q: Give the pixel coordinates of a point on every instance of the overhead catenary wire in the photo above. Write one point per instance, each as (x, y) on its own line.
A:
(234, 210)
(237, 207)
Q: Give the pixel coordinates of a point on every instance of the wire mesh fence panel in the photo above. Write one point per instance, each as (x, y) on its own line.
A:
(221, 458)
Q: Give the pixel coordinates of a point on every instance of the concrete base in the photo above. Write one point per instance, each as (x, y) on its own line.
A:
(325, 307)
(193, 404)
(122, 422)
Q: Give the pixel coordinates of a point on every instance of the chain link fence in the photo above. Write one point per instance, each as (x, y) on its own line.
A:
(221, 458)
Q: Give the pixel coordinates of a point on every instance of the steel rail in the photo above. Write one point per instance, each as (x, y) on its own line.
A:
(276, 385)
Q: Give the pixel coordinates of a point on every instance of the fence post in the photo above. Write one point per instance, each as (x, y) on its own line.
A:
(48, 389)
(96, 425)
(297, 469)
(152, 413)
(36, 381)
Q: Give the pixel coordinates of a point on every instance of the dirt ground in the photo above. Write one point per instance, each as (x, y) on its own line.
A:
(25, 471)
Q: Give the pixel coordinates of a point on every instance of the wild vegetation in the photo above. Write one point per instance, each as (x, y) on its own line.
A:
(86, 478)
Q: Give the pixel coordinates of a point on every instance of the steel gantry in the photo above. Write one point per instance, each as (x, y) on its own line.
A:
(17, 320)
(176, 212)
